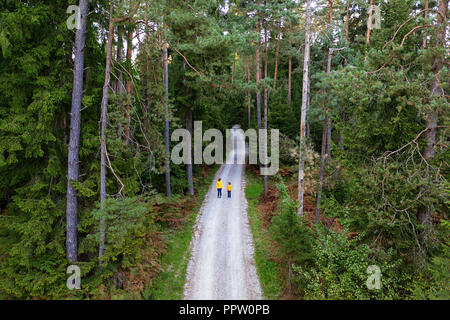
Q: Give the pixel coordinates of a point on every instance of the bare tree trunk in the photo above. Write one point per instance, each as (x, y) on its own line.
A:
(189, 164)
(330, 55)
(74, 139)
(308, 126)
(166, 130)
(120, 85)
(330, 12)
(249, 97)
(276, 58)
(258, 77)
(104, 114)
(347, 38)
(266, 183)
(424, 214)
(290, 70)
(369, 22)
(322, 169)
(325, 146)
(143, 71)
(301, 173)
(436, 89)
(432, 121)
(113, 81)
(146, 77)
(327, 117)
(128, 88)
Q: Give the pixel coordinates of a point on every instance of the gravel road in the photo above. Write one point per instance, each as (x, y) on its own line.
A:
(221, 266)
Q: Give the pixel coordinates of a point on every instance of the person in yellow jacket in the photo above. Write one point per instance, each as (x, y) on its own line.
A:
(219, 188)
(229, 189)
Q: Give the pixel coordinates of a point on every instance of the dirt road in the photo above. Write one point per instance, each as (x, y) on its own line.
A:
(222, 265)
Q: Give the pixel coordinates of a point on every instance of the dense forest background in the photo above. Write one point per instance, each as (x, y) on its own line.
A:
(86, 117)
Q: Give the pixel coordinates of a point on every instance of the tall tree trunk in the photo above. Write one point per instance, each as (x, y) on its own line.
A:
(369, 22)
(120, 85)
(143, 74)
(146, 77)
(328, 136)
(276, 57)
(330, 54)
(258, 77)
(436, 89)
(113, 81)
(249, 97)
(330, 12)
(128, 87)
(308, 127)
(74, 139)
(290, 69)
(166, 129)
(266, 98)
(189, 164)
(301, 170)
(148, 64)
(325, 146)
(424, 214)
(347, 38)
(322, 169)
(104, 114)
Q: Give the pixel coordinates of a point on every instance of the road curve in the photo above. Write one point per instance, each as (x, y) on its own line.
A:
(221, 265)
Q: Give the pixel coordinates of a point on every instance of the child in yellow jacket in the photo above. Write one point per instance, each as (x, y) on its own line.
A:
(229, 189)
(219, 188)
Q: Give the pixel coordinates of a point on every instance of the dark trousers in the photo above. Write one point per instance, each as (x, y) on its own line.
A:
(229, 194)
(219, 193)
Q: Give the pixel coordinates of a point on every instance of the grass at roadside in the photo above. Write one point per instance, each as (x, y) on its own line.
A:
(168, 285)
(268, 270)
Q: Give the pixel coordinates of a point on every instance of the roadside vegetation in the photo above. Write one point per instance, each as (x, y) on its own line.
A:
(169, 283)
(297, 259)
(269, 269)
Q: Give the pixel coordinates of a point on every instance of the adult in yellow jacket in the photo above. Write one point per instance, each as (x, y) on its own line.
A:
(229, 189)
(219, 188)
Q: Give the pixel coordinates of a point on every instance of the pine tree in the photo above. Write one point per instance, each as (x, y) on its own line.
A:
(75, 129)
(301, 173)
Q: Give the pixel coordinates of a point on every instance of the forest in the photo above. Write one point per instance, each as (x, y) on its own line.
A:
(91, 92)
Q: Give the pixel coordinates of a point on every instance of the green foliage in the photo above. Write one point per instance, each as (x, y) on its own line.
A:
(434, 283)
(340, 270)
(34, 95)
(290, 231)
(126, 224)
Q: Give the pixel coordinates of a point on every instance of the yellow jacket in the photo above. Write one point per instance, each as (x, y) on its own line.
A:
(219, 184)
(228, 187)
